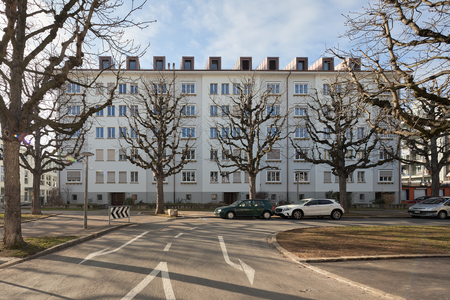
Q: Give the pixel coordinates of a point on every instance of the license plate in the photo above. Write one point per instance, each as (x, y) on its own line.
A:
(417, 212)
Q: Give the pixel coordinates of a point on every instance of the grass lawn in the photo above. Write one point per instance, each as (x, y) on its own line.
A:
(25, 217)
(366, 240)
(34, 245)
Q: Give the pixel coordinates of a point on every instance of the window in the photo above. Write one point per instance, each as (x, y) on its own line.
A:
(187, 64)
(273, 88)
(133, 110)
(111, 155)
(213, 133)
(111, 111)
(122, 88)
(384, 154)
(74, 197)
(236, 132)
(327, 177)
(225, 89)
(274, 154)
(272, 131)
(360, 133)
(111, 177)
(213, 89)
(226, 132)
(361, 176)
(99, 197)
(159, 64)
(300, 65)
(76, 134)
(301, 89)
(301, 176)
(326, 134)
(122, 132)
(25, 176)
(273, 176)
(188, 110)
(188, 176)
(386, 175)
(99, 132)
(327, 66)
(299, 152)
(273, 110)
(99, 88)
(122, 110)
(122, 177)
(326, 154)
(326, 89)
(133, 133)
(132, 64)
(349, 154)
(133, 89)
(301, 133)
(188, 88)
(236, 89)
(350, 177)
(99, 177)
(73, 88)
(213, 197)
(159, 88)
(99, 113)
(134, 154)
(348, 133)
(359, 155)
(105, 63)
(213, 154)
(111, 132)
(214, 64)
(213, 111)
(246, 179)
(134, 177)
(190, 154)
(225, 154)
(122, 154)
(110, 86)
(301, 111)
(225, 110)
(74, 176)
(99, 154)
(237, 177)
(73, 110)
(213, 177)
(188, 132)
(225, 177)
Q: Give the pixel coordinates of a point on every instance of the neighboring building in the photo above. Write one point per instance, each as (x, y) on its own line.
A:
(112, 178)
(48, 181)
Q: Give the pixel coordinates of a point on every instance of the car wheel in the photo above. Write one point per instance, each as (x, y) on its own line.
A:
(336, 214)
(298, 214)
(442, 215)
(266, 215)
(230, 215)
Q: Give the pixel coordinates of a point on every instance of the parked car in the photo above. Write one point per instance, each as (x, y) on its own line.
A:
(246, 208)
(431, 207)
(419, 199)
(311, 208)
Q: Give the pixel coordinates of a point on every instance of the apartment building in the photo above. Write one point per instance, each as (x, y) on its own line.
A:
(112, 178)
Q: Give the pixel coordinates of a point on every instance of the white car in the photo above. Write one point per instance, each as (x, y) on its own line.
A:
(431, 207)
(311, 208)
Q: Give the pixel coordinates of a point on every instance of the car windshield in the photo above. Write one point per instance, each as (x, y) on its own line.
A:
(236, 203)
(301, 202)
(433, 201)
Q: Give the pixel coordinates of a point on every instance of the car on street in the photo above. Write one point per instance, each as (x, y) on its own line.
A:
(317, 207)
(246, 208)
(419, 199)
(431, 207)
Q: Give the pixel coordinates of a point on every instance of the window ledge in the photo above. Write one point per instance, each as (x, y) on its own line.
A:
(301, 182)
(301, 95)
(274, 160)
(164, 182)
(213, 182)
(297, 138)
(188, 182)
(74, 183)
(383, 182)
(134, 182)
(272, 182)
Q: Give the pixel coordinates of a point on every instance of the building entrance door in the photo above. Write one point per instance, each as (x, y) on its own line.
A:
(229, 198)
(117, 199)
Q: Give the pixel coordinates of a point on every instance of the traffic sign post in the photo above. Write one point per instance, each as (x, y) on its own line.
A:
(119, 212)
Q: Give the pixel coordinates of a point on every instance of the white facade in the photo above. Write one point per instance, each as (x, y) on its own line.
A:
(119, 180)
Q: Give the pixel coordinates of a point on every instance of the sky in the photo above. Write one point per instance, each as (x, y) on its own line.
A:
(235, 28)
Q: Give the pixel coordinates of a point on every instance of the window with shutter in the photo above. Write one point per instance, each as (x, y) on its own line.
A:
(111, 177)
(99, 177)
(122, 177)
(327, 176)
(111, 154)
(73, 176)
(99, 154)
(237, 177)
(386, 175)
(275, 154)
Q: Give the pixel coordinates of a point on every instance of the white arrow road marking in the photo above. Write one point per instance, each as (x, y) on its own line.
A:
(104, 252)
(249, 271)
(193, 228)
(167, 247)
(168, 291)
(178, 235)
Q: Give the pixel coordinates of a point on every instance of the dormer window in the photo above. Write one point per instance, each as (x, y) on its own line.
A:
(187, 64)
(132, 65)
(105, 64)
(246, 65)
(300, 65)
(215, 64)
(159, 64)
(327, 65)
(272, 64)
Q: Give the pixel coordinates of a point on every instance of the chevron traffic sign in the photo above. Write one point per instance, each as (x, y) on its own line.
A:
(119, 212)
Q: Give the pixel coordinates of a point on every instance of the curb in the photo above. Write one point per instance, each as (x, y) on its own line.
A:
(272, 240)
(63, 246)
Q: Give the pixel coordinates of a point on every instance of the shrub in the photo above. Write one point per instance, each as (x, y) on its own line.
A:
(388, 199)
(378, 201)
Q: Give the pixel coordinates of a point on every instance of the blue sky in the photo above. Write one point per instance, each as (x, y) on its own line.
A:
(234, 28)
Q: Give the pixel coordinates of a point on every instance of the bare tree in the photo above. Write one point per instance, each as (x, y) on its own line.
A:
(334, 131)
(246, 125)
(46, 40)
(161, 131)
(404, 46)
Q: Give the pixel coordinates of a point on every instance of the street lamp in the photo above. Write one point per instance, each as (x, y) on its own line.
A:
(296, 177)
(86, 154)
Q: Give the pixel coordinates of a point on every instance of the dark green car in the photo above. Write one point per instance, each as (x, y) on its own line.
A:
(246, 208)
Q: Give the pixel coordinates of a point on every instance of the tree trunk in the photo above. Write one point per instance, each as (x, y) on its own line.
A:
(160, 194)
(12, 231)
(434, 168)
(343, 191)
(252, 185)
(36, 202)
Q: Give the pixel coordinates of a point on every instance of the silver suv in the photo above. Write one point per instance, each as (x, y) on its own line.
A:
(311, 208)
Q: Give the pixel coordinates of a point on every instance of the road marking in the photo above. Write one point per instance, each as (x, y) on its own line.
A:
(178, 235)
(168, 291)
(104, 252)
(204, 219)
(193, 228)
(167, 247)
(249, 271)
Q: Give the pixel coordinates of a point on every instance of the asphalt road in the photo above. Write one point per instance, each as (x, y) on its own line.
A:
(189, 259)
